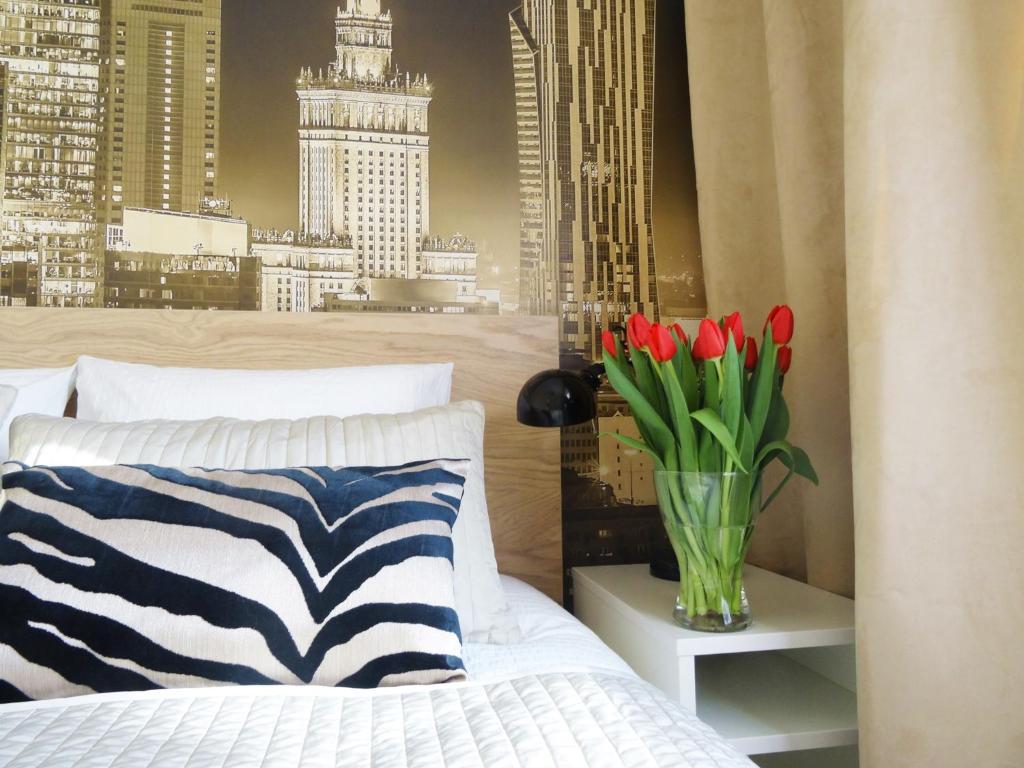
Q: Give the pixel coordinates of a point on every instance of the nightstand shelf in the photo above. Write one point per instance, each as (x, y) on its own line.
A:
(786, 684)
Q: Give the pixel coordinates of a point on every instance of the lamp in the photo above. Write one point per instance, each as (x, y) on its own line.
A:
(559, 398)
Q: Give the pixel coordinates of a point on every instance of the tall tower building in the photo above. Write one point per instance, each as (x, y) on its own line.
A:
(537, 294)
(160, 83)
(364, 148)
(585, 74)
(50, 49)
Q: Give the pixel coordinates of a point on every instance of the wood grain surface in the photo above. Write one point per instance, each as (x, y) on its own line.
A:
(493, 357)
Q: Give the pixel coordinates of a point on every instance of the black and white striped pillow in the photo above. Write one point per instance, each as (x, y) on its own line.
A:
(131, 578)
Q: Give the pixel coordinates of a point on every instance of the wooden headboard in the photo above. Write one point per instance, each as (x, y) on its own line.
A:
(493, 357)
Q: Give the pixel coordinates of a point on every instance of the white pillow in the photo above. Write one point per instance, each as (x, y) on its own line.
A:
(44, 391)
(7, 397)
(449, 432)
(110, 391)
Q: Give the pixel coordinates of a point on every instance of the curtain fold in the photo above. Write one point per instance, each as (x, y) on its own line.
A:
(766, 92)
(864, 161)
(935, 249)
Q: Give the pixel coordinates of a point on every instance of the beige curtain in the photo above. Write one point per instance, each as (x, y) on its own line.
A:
(935, 252)
(767, 94)
(908, 115)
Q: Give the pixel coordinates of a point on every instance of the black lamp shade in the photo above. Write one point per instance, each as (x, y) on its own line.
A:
(558, 399)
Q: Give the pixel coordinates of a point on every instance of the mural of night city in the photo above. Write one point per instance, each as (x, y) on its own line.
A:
(484, 157)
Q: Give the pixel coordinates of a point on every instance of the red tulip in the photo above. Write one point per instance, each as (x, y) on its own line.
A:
(710, 344)
(608, 341)
(733, 325)
(683, 338)
(752, 356)
(638, 331)
(781, 320)
(785, 359)
(661, 345)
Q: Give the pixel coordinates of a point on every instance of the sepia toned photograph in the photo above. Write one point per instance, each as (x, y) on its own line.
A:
(555, 383)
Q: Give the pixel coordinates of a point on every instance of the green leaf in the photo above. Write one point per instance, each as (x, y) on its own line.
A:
(710, 454)
(803, 467)
(764, 385)
(794, 458)
(732, 390)
(690, 382)
(746, 444)
(645, 414)
(685, 433)
(777, 425)
(769, 453)
(711, 421)
(647, 382)
(712, 392)
(623, 370)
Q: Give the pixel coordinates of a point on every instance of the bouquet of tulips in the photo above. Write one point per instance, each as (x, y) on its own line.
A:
(713, 418)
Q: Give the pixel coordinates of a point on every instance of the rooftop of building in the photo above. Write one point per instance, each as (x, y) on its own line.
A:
(457, 243)
(213, 217)
(291, 237)
(395, 82)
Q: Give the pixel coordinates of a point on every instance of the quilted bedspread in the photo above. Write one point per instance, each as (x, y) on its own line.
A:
(558, 719)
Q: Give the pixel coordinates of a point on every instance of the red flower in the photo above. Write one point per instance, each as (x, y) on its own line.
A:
(661, 345)
(781, 320)
(683, 338)
(752, 356)
(638, 331)
(733, 325)
(608, 341)
(710, 344)
(785, 359)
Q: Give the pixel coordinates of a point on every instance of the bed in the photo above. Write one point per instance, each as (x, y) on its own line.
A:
(555, 696)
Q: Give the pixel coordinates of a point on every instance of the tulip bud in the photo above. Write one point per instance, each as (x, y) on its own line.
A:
(752, 356)
(638, 331)
(683, 338)
(733, 326)
(710, 344)
(785, 359)
(608, 342)
(661, 344)
(782, 322)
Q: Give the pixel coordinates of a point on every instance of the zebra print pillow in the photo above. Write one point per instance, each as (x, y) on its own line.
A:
(131, 578)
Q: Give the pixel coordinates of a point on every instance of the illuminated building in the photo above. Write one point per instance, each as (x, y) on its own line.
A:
(313, 274)
(168, 260)
(160, 82)
(50, 51)
(537, 294)
(584, 79)
(300, 273)
(364, 148)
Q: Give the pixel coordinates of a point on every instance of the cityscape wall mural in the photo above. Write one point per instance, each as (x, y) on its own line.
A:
(493, 156)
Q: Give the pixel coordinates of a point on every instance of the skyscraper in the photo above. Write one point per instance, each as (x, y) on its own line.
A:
(50, 49)
(160, 83)
(537, 295)
(364, 148)
(585, 74)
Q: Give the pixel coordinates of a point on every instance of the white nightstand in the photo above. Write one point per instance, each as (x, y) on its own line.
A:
(786, 684)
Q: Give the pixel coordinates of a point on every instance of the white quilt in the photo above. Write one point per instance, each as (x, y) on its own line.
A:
(559, 698)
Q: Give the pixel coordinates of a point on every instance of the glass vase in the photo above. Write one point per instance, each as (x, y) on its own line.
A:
(710, 520)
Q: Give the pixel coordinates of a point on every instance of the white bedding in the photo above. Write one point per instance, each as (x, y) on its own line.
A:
(558, 698)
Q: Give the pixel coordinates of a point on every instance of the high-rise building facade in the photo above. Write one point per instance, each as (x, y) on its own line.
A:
(537, 294)
(584, 75)
(50, 255)
(364, 148)
(160, 82)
